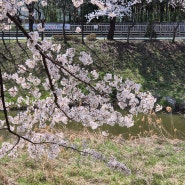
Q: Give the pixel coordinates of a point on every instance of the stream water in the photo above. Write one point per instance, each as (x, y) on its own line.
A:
(168, 125)
(165, 124)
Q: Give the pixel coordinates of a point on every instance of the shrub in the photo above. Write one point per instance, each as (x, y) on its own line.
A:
(58, 37)
(68, 38)
(91, 37)
(74, 38)
(150, 31)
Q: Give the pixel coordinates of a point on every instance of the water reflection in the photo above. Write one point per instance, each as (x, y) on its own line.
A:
(168, 125)
(164, 124)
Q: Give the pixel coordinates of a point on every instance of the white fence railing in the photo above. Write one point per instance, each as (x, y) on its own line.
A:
(162, 29)
(121, 29)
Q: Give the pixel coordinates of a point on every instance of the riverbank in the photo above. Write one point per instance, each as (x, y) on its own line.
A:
(159, 66)
(151, 160)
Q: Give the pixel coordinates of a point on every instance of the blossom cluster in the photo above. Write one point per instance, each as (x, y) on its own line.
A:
(111, 8)
(13, 7)
(68, 90)
(121, 8)
(77, 3)
(73, 93)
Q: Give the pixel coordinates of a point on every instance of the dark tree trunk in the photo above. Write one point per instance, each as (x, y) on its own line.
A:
(174, 32)
(30, 8)
(128, 33)
(69, 17)
(162, 6)
(110, 35)
(82, 24)
(82, 31)
(63, 27)
(42, 33)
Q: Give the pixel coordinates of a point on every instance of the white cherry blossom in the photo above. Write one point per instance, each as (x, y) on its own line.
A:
(53, 88)
(78, 30)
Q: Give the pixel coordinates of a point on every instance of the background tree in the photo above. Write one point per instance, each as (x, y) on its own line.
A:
(85, 8)
(177, 17)
(65, 7)
(30, 8)
(112, 9)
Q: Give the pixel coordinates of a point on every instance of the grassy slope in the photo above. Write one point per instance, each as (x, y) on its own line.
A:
(152, 161)
(159, 66)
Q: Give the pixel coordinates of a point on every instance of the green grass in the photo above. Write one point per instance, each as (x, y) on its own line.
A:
(150, 162)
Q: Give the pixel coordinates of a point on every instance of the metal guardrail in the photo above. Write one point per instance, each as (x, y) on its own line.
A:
(137, 30)
(161, 29)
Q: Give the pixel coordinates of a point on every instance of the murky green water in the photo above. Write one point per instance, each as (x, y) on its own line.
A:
(168, 125)
(164, 124)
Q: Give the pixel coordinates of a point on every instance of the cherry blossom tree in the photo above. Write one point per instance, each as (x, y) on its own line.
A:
(67, 90)
(111, 9)
(120, 8)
